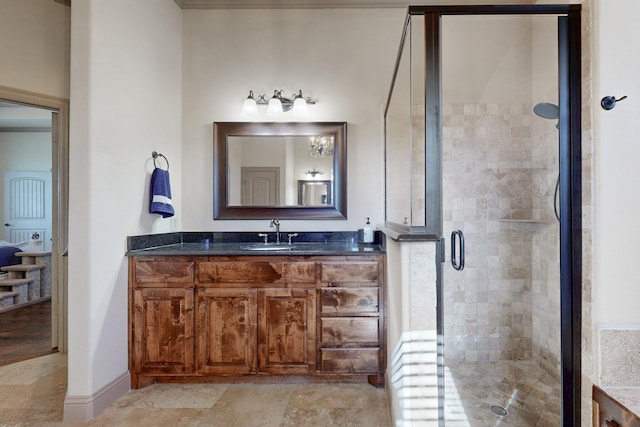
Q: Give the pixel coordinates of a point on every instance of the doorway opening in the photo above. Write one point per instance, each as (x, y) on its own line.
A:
(33, 206)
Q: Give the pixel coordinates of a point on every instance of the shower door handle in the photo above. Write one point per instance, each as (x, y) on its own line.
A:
(457, 236)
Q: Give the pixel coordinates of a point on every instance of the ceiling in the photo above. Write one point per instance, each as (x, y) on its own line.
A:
(333, 4)
(287, 4)
(322, 4)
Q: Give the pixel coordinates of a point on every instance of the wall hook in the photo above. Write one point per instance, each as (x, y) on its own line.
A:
(608, 102)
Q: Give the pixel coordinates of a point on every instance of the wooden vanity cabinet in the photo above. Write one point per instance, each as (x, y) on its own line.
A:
(283, 302)
(206, 318)
(608, 412)
(162, 319)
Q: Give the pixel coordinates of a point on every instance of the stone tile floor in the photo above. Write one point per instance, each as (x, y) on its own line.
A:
(32, 394)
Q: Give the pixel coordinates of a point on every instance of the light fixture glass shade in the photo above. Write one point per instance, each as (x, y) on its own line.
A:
(249, 106)
(275, 106)
(300, 107)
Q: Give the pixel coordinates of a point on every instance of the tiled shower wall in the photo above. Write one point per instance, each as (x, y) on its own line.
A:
(499, 176)
(545, 263)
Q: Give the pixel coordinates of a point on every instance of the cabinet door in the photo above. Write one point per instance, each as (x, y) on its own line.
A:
(287, 331)
(163, 331)
(227, 331)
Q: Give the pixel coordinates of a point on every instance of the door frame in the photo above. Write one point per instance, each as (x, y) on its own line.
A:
(570, 141)
(59, 108)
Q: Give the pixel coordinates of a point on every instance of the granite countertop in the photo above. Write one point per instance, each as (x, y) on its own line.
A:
(243, 243)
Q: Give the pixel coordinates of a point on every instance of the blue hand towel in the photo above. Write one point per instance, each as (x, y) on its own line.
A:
(161, 193)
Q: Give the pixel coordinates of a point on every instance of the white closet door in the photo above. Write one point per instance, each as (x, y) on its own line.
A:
(27, 207)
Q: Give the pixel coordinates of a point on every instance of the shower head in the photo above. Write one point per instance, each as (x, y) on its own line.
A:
(547, 110)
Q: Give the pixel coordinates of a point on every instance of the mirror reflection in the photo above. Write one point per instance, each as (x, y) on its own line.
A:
(280, 170)
(314, 193)
(266, 170)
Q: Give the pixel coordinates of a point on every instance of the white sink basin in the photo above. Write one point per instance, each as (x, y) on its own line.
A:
(267, 247)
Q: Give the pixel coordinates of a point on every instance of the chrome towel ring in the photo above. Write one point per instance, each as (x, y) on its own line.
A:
(155, 155)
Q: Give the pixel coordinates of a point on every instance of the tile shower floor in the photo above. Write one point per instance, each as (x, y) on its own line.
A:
(530, 395)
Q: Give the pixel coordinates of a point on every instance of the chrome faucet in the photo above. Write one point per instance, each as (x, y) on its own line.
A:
(276, 223)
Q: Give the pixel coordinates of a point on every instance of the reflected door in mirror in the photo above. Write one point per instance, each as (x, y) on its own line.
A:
(260, 186)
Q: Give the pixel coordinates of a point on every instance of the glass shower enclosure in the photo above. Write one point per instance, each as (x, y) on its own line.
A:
(482, 148)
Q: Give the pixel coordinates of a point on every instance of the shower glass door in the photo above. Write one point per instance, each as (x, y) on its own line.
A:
(500, 166)
(484, 107)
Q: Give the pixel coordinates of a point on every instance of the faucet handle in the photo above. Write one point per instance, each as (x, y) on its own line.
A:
(291, 235)
(265, 236)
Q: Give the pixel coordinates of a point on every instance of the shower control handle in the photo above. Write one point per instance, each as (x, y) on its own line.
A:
(457, 237)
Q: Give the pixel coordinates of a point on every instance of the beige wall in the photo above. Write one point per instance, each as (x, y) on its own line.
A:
(343, 58)
(616, 317)
(34, 46)
(616, 226)
(126, 90)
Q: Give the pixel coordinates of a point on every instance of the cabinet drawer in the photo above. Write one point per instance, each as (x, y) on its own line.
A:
(349, 361)
(256, 272)
(164, 273)
(350, 272)
(349, 300)
(342, 330)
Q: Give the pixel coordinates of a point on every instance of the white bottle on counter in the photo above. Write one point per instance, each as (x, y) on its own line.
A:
(367, 232)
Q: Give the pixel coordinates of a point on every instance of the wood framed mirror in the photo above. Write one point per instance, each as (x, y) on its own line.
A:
(257, 167)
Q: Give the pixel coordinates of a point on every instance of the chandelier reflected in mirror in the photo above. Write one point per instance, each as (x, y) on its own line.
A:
(321, 146)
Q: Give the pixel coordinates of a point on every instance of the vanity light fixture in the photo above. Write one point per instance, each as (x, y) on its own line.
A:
(313, 172)
(277, 104)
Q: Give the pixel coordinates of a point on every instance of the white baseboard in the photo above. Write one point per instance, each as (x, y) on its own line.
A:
(85, 408)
